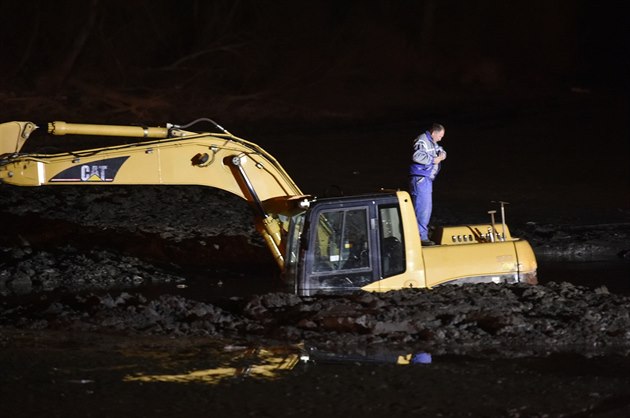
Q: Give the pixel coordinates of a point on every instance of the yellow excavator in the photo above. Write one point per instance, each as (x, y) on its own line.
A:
(321, 245)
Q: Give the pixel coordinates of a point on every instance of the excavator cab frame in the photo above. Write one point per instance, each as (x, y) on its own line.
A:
(346, 244)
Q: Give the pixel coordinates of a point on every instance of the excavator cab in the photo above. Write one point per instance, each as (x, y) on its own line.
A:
(345, 244)
(371, 243)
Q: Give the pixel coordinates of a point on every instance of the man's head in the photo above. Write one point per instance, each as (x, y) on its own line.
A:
(437, 132)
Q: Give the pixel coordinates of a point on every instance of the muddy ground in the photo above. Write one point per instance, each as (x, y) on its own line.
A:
(143, 301)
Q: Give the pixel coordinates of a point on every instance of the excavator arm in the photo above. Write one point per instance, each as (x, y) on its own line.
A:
(163, 156)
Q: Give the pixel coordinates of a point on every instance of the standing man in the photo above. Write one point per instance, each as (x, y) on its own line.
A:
(427, 156)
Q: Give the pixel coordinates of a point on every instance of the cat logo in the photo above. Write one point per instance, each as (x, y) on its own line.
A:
(95, 171)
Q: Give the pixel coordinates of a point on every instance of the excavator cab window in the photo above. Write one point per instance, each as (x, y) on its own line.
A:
(341, 250)
(341, 242)
(391, 239)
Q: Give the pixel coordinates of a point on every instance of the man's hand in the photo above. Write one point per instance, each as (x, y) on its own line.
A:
(441, 157)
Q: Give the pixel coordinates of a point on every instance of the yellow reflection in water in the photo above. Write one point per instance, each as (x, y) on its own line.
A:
(265, 364)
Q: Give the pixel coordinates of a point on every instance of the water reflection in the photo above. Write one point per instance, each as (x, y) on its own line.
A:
(271, 363)
(234, 362)
(384, 356)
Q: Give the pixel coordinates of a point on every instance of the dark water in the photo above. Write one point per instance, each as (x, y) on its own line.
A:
(614, 274)
(82, 375)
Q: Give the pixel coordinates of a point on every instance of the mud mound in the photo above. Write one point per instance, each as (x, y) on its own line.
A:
(451, 319)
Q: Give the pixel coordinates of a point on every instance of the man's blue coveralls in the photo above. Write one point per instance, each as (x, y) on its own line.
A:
(422, 172)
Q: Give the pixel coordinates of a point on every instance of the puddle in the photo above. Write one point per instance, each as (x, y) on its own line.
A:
(105, 375)
(86, 359)
(213, 363)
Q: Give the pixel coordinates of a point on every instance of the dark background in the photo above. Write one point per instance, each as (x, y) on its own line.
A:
(305, 60)
(534, 94)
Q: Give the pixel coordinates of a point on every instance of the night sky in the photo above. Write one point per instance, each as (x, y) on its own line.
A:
(304, 59)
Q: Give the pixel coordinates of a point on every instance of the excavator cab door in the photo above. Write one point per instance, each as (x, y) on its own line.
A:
(348, 244)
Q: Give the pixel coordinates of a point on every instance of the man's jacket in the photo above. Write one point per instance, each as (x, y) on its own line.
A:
(424, 153)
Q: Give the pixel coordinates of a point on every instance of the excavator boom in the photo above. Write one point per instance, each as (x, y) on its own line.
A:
(165, 156)
(175, 157)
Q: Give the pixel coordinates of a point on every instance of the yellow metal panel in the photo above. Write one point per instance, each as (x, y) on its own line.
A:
(13, 135)
(469, 234)
(409, 279)
(450, 262)
(169, 161)
(526, 257)
(414, 274)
